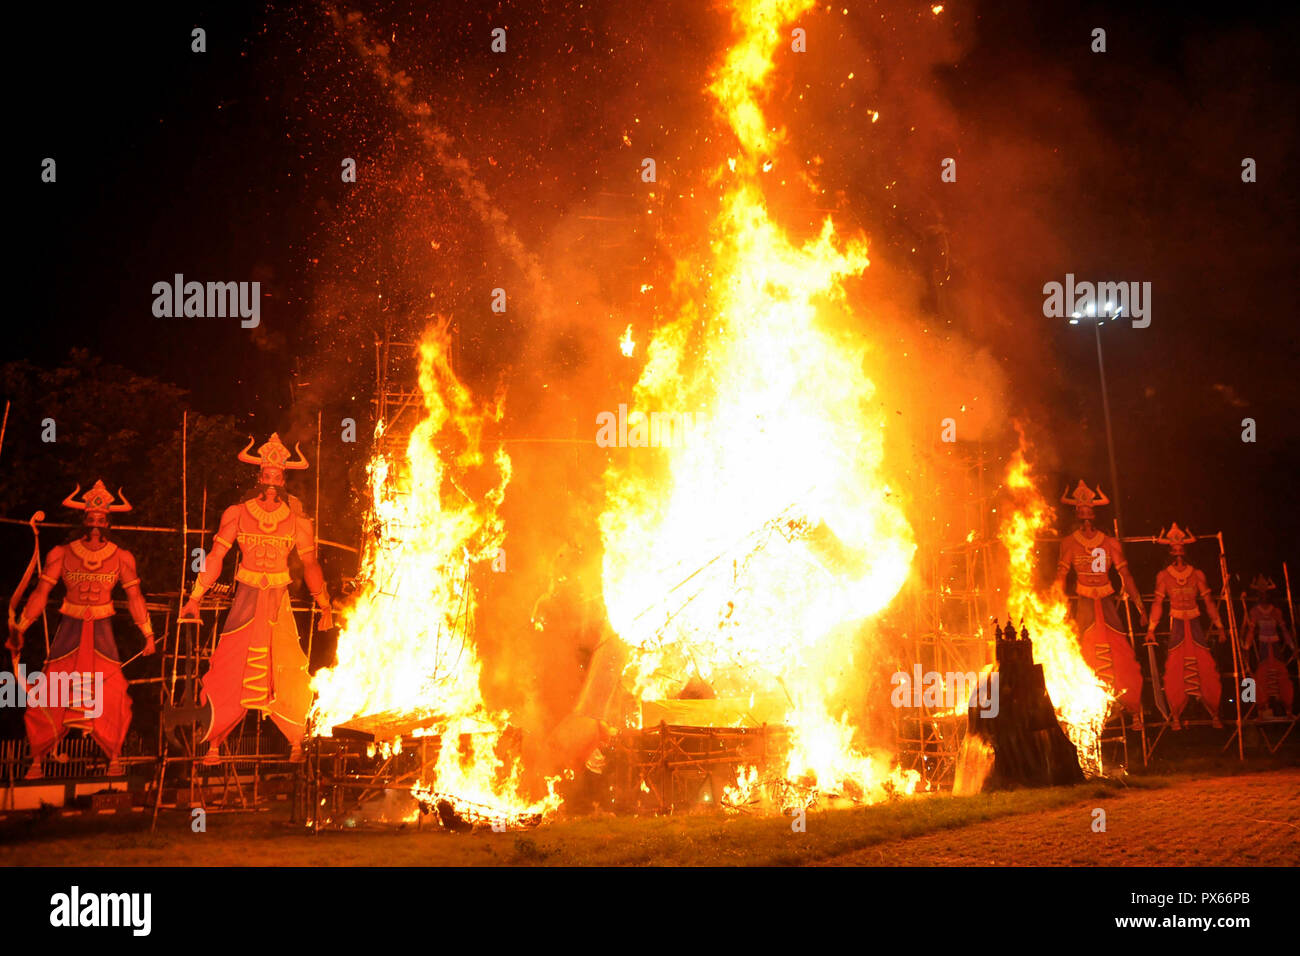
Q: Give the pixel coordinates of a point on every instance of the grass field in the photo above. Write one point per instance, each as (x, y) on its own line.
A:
(1173, 820)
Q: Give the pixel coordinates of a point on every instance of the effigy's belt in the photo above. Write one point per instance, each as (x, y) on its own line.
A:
(1099, 591)
(263, 579)
(86, 612)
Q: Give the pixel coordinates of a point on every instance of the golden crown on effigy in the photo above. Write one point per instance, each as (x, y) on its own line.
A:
(1176, 538)
(273, 459)
(1262, 584)
(1084, 499)
(97, 503)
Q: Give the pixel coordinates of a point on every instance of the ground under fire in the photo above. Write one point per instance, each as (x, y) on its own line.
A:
(1209, 816)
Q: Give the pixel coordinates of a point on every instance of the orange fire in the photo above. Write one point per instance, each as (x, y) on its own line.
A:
(750, 555)
(1080, 699)
(406, 644)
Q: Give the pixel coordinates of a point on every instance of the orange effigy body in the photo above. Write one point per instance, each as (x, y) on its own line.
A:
(259, 663)
(1101, 636)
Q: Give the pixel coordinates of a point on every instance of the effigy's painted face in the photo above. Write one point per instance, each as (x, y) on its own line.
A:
(1085, 514)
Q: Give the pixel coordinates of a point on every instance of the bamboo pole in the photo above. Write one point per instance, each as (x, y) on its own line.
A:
(203, 530)
(185, 527)
(1236, 651)
(146, 528)
(1286, 576)
(116, 527)
(185, 550)
(1155, 677)
(315, 537)
(45, 620)
(320, 454)
(167, 688)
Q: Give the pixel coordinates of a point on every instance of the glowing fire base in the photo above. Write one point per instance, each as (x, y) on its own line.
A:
(356, 778)
(670, 768)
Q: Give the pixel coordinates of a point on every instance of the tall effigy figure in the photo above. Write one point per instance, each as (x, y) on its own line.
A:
(1091, 554)
(1190, 670)
(84, 686)
(259, 663)
(1266, 627)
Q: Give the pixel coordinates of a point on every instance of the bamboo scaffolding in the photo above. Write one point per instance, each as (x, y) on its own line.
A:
(653, 760)
(163, 530)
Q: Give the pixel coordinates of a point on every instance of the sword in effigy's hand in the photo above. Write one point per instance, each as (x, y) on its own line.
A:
(1157, 687)
(1245, 623)
(185, 709)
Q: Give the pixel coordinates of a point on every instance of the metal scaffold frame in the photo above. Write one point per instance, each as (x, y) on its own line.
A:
(397, 402)
(951, 608)
(665, 767)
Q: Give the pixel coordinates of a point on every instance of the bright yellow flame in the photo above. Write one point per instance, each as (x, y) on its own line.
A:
(740, 81)
(626, 344)
(1080, 699)
(744, 791)
(406, 645)
(750, 556)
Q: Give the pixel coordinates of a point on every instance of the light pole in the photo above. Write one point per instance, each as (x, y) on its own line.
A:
(1097, 321)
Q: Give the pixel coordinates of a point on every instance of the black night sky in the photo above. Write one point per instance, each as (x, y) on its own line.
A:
(1124, 165)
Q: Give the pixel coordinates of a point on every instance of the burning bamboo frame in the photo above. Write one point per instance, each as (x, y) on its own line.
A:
(666, 767)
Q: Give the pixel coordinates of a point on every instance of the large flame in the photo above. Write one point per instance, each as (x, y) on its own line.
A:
(1080, 699)
(406, 645)
(748, 553)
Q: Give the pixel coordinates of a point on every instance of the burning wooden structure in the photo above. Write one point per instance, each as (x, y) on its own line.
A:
(382, 769)
(667, 768)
